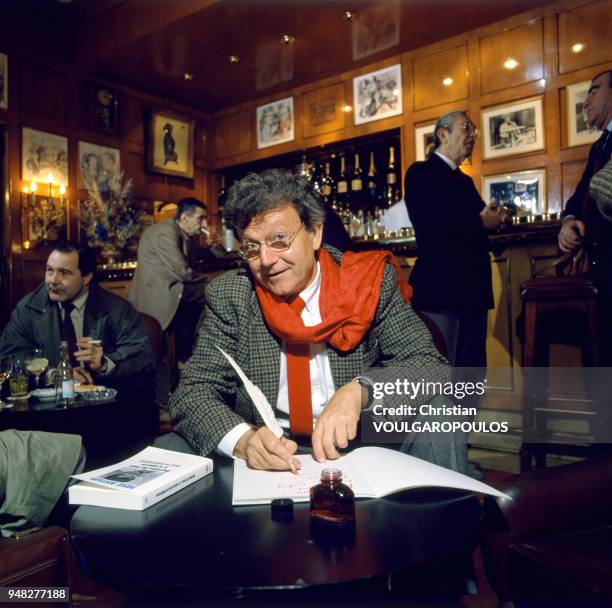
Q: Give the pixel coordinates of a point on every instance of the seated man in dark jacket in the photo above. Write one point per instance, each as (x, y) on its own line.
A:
(70, 306)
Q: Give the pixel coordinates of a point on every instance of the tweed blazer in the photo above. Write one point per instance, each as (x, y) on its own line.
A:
(211, 400)
(165, 259)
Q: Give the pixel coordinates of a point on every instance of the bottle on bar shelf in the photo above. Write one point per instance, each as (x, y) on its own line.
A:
(356, 197)
(372, 182)
(342, 185)
(392, 192)
(327, 185)
(315, 177)
(222, 194)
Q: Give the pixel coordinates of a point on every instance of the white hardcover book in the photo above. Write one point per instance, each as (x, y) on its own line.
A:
(140, 481)
(371, 472)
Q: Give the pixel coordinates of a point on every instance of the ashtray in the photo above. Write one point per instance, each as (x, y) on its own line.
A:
(100, 394)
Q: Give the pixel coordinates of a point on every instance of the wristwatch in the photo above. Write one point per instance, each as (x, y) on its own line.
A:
(367, 394)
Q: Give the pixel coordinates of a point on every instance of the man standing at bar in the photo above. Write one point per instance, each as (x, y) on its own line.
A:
(583, 224)
(452, 275)
(165, 284)
(307, 325)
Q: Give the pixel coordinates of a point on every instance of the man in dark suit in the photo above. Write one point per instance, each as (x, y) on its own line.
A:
(306, 324)
(583, 225)
(70, 306)
(452, 274)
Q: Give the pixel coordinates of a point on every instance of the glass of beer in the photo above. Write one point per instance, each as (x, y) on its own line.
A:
(6, 366)
(18, 382)
(36, 363)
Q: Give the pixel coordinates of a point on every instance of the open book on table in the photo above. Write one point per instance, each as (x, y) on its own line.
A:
(140, 481)
(371, 472)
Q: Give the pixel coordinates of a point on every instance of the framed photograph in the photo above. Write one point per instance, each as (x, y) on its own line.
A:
(522, 192)
(275, 123)
(44, 156)
(514, 129)
(579, 132)
(378, 94)
(3, 81)
(424, 141)
(170, 148)
(97, 164)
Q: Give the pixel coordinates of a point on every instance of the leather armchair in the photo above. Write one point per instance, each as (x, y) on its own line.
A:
(552, 544)
(40, 559)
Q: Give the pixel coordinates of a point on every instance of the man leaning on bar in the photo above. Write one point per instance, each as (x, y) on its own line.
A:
(306, 324)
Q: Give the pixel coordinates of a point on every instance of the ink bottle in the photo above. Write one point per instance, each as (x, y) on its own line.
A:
(331, 500)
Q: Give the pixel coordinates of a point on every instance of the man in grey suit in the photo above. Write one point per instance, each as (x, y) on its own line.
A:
(309, 326)
(165, 284)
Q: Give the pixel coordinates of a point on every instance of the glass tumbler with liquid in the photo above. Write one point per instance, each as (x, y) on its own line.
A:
(18, 382)
(331, 500)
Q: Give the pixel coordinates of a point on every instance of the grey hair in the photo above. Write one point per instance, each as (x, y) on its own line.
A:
(445, 122)
(258, 193)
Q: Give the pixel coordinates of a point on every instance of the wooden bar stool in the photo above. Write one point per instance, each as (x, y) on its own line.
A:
(567, 293)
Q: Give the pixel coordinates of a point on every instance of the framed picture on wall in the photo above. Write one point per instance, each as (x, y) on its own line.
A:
(424, 141)
(513, 129)
(44, 157)
(579, 132)
(275, 123)
(170, 149)
(98, 164)
(522, 192)
(378, 94)
(3, 81)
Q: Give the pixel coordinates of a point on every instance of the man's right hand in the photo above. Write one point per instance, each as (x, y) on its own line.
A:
(571, 235)
(262, 450)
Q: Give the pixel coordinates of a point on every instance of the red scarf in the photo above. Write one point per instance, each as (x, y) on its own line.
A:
(348, 300)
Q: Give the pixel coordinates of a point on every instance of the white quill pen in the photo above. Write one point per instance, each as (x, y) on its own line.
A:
(259, 399)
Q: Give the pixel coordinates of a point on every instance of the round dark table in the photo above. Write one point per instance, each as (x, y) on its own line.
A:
(195, 540)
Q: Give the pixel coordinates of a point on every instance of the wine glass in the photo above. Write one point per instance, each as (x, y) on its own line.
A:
(36, 363)
(6, 367)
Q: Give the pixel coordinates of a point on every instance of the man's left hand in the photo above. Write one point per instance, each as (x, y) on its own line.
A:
(89, 353)
(337, 424)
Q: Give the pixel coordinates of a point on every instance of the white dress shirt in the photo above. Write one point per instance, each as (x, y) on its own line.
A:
(321, 380)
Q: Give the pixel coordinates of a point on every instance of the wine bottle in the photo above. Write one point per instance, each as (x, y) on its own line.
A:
(327, 186)
(316, 177)
(372, 182)
(64, 381)
(222, 194)
(392, 181)
(342, 184)
(357, 183)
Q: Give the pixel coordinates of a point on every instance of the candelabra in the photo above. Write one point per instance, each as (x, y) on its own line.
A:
(44, 214)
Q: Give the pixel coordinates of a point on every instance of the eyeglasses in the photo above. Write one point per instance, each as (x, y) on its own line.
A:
(251, 250)
(469, 128)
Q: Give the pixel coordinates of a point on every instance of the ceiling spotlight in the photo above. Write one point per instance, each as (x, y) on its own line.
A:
(187, 76)
(510, 63)
(233, 59)
(350, 15)
(576, 48)
(447, 81)
(287, 39)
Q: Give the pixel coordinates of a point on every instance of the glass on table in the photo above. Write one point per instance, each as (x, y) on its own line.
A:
(6, 366)
(36, 363)
(18, 381)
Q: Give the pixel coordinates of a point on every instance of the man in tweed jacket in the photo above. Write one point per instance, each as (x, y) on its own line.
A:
(279, 221)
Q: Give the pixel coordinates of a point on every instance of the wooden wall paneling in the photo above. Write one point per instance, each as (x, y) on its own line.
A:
(43, 92)
(232, 135)
(431, 70)
(524, 44)
(571, 172)
(589, 25)
(133, 119)
(324, 110)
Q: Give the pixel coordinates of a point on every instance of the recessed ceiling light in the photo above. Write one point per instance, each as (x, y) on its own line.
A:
(287, 39)
(233, 59)
(447, 81)
(187, 76)
(510, 63)
(350, 15)
(576, 48)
